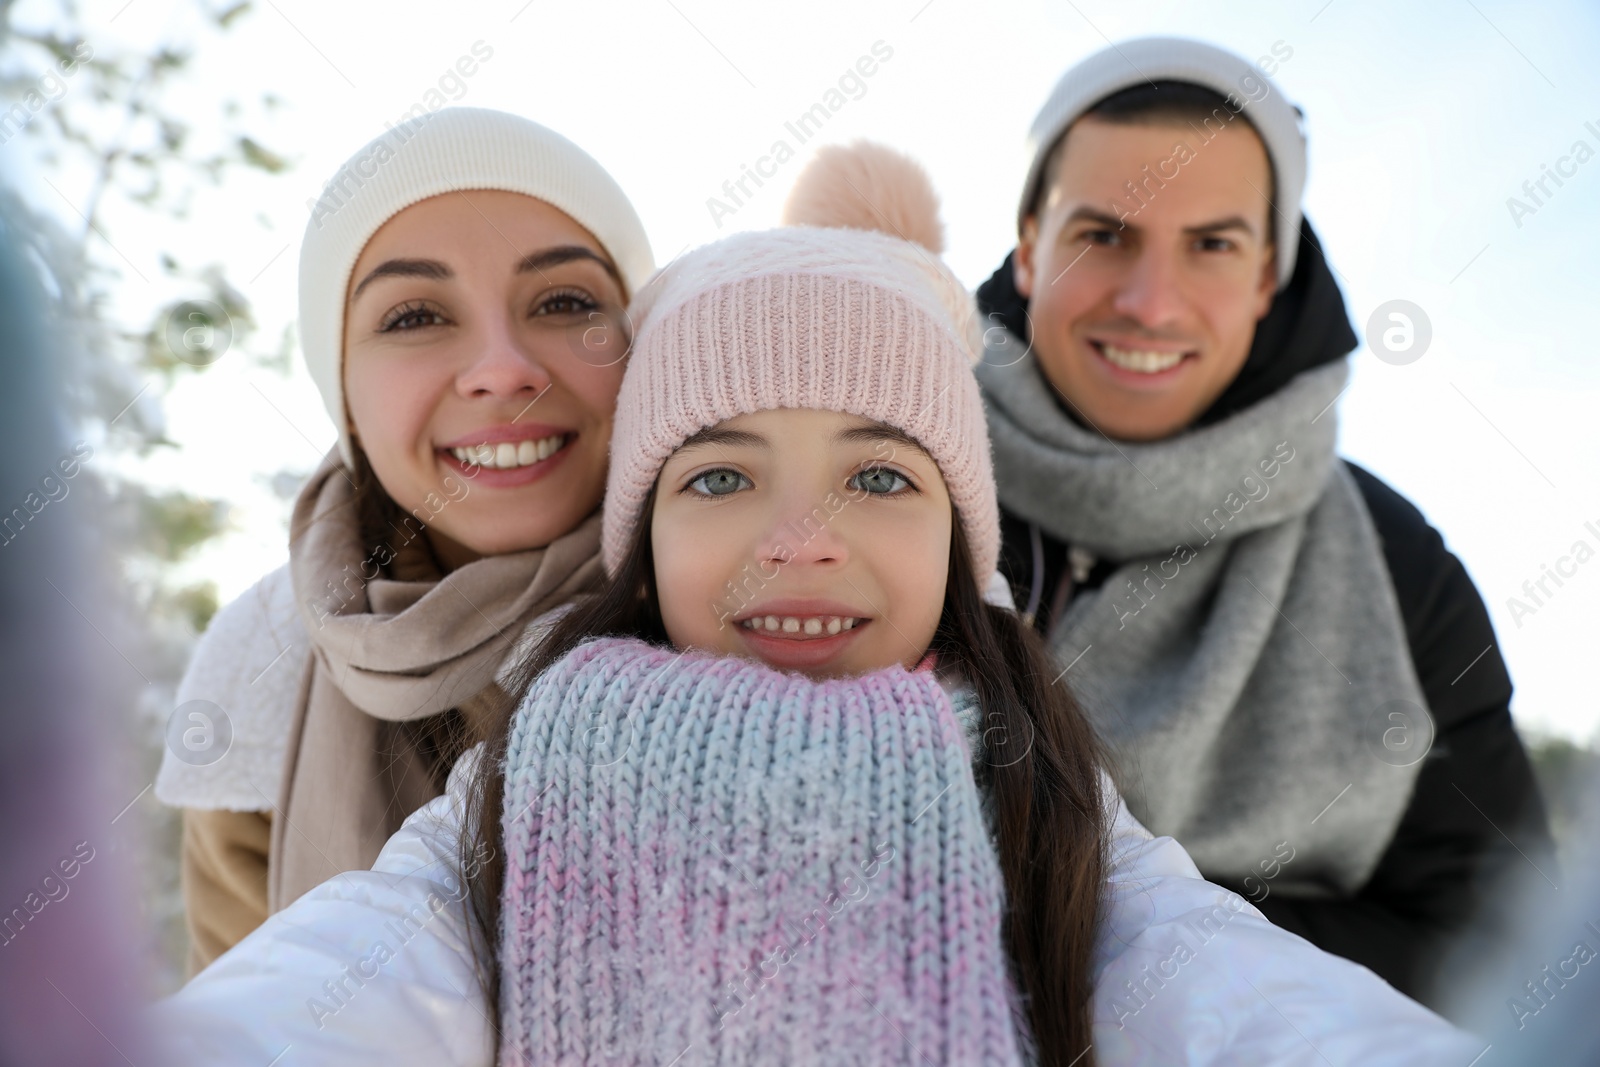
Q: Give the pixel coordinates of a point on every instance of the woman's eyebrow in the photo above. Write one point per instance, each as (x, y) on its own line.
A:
(554, 257)
(404, 268)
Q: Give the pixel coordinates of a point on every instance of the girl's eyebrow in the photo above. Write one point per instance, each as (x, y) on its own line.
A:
(874, 433)
(711, 435)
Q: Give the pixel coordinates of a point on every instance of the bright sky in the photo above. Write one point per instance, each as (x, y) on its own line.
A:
(1423, 119)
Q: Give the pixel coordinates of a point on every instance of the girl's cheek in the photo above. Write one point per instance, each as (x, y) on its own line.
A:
(695, 601)
(914, 563)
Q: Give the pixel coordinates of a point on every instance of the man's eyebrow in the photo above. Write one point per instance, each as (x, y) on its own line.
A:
(712, 435)
(404, 268)
(1232, 222)
(554, 257)
(1085, 213)
(874, 433)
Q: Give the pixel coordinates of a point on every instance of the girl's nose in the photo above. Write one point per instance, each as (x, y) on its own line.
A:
(805, 530)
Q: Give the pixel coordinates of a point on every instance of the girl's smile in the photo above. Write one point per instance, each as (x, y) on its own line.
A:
(799, 634)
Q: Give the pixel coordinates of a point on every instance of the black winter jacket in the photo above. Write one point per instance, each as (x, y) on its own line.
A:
(1475, 820)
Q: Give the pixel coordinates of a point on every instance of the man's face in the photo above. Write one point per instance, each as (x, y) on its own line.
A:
(1144, 306)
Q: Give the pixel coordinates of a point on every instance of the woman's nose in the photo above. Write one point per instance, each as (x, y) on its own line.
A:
(500, 365)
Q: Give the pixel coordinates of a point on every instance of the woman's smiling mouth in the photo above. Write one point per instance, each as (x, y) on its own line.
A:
(508, 456)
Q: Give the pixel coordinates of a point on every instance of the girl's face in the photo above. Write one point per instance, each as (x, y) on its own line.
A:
(483, 348)
(810, 540)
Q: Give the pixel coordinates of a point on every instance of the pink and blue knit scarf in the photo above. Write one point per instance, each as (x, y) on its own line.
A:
(713, 862)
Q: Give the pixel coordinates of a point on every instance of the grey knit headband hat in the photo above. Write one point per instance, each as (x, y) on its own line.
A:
(1150, 59)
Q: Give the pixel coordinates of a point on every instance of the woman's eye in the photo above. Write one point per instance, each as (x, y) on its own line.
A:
(880, 481)
(411, 317)
(719, 483)
(565, 304)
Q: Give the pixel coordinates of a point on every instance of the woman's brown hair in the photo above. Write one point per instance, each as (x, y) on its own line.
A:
(1042, 762)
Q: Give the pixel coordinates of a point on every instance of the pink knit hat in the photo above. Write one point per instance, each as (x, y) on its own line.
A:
(811, 317)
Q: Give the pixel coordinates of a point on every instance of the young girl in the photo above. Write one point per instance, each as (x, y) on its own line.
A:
(462, 280)
(788, 789)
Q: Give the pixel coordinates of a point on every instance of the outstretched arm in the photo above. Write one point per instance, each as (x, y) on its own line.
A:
(371, 967)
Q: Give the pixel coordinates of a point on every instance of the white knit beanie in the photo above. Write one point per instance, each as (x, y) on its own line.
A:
(454, 148)
(1150, 59)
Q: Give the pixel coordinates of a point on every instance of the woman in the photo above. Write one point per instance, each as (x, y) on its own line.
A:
(462, 285)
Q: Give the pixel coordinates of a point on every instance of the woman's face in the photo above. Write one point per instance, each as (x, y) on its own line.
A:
(810, 540)
(483, 348)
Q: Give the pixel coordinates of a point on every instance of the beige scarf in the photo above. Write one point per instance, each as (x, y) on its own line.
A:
(393, 642)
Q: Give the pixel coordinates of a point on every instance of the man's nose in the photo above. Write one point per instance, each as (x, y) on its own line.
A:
(1149, 293)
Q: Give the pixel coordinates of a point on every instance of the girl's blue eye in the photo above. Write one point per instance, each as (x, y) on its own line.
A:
(719, 483)
(880, 481)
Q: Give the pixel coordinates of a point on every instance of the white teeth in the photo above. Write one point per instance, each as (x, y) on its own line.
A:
(811, 626)
(1140, 361)
(507, 456)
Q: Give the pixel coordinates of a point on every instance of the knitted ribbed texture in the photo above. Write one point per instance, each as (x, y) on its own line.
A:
(1148, 59)
(447, 150)
(712, 862)
(804, 317)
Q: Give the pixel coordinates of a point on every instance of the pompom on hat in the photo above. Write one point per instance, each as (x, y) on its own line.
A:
(823, 314)
(453, 149)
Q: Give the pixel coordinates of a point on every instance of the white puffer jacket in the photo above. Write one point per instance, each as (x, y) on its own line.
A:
(376, 967)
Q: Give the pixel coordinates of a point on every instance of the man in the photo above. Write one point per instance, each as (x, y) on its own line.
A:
(1298, 681)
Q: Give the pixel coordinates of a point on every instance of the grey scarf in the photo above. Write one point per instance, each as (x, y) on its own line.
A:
(1246, 661)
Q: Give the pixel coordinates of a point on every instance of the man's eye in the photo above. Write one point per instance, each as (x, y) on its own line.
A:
(719, 483)
(880, 481)
(1215, 244)
(1102, 237)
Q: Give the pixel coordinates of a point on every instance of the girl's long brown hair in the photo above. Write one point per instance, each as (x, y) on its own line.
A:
(1043, 763)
